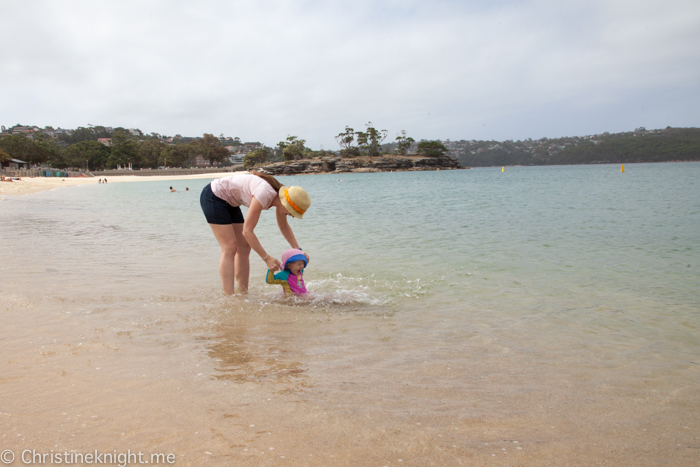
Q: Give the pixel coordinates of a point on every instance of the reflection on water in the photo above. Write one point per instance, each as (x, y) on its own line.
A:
(238, 356)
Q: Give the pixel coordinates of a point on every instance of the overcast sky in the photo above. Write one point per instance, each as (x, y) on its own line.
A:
(262, 70)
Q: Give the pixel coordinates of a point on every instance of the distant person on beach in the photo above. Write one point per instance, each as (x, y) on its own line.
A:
(221, 201)
(187, 189)
(172, 190)
(291, 278)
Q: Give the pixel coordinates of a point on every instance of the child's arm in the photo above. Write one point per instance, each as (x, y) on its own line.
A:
(279, 278)
(270, 277)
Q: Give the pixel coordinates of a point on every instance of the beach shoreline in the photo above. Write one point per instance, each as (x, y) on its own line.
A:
(31, 185)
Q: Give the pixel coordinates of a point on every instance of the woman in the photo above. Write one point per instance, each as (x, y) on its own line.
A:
(221, 201)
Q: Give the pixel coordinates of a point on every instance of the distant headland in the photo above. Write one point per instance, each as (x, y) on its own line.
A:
(99, 147)
(640, 145)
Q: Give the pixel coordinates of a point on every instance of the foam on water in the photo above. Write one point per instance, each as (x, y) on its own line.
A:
(342, 293)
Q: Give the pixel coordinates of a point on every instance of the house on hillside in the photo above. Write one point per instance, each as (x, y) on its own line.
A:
(49, 131)
(202, 163)
(19, 130)
(250, 147)
(105, 141)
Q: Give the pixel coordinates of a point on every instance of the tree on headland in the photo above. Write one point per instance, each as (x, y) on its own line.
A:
(432, 148)
(309, 154)
(352, 151)
(345, 141)
(346, 138)
(292, 149)
(257, 157)
(403, 143)
(4, 156)
(370, 141)
(281, 146)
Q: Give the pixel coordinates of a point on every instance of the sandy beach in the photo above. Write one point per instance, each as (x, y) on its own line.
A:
(30, 185)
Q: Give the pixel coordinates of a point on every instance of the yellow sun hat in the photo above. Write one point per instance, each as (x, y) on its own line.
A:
(295, 199)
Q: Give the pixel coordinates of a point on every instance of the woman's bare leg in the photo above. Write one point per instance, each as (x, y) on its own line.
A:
(226, 237)
(242, 261)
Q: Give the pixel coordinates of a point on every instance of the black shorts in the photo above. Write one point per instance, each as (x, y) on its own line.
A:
(218, 211)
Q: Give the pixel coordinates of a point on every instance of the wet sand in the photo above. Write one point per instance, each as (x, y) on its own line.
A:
(231, 386)
(29, 185)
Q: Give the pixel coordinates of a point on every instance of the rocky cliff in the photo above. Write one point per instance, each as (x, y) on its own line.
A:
(379, 164)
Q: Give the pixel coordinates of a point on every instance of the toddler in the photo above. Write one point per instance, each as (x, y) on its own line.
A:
(291, 278)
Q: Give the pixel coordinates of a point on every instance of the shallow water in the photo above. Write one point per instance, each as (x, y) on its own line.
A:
(454, 313)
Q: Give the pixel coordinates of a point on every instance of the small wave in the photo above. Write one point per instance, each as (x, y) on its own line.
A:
(343, 292)
(335, 299)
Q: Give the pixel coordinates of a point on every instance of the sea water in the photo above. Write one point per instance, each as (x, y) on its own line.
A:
(452, 309)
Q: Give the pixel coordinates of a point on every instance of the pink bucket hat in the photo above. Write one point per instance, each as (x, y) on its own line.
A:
(293, 255)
